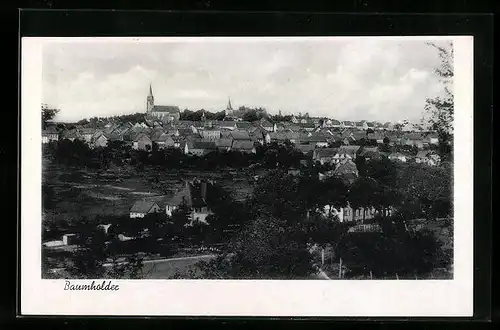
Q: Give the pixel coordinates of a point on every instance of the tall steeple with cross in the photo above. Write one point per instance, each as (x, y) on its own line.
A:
(229, 109)
(150, 103)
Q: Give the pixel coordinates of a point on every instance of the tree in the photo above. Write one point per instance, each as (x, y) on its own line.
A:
(333, 192)
(280, 118)
(270, 248)
(383, 170)
(228, 214)
(88, 260)
(360, 162)
(180, 218)
(251, 116)
(82, 122)
(278, 195)
(427, 190)
(48, 113)
(441, 108)
(364, 193)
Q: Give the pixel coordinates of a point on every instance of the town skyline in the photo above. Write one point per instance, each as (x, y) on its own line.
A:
(355, 79)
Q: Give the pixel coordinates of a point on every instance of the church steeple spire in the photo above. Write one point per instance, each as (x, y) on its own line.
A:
(150, 103)
(229, 107)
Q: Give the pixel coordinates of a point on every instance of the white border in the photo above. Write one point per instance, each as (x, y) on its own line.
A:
(247, 298)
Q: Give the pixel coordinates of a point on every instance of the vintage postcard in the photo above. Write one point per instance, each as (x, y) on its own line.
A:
(311, 176)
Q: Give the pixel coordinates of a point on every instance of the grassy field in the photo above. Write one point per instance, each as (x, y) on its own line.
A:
(85, 193)
(167, 268)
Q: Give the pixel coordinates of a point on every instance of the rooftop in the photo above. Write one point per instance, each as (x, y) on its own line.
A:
(142, 206)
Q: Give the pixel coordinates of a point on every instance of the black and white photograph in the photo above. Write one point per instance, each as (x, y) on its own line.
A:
(248, 160)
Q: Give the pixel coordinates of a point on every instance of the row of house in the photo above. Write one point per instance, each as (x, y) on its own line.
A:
(142, 136)
(404, 126)
(312, 130)
(338, 155)
(361, 214)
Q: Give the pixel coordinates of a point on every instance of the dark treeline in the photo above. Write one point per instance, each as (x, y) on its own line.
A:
(79, 154)
(243, 112)
(198, 115)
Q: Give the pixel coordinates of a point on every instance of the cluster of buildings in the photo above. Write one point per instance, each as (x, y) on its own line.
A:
(161, 126)
(325, 140)
(351, 152)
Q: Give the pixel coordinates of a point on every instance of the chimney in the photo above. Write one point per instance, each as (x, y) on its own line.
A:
(204, 190)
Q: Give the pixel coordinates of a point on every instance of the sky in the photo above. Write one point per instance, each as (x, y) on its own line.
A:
(340, 78)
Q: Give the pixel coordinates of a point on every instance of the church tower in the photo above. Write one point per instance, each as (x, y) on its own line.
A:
(229, 108)
(150, 101)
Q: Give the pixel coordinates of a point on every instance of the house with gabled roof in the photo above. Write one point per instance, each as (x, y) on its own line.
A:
(118, 129)
(210, 133)
(228, 125)
(243, 125)
(155, 134)
(199, 148)
(267, 125)
(280, 126)
(141, 141)
(143, 207)
(165, 141)
(317, 139)
(307, 127)
(223, 144)
(281, 137)
(194, 196)
(186, 131)
(245, 146)
(288, 126)
(87, 133)
(324, 155)
(345, 152)
(239, 135)
(185, 124)
(259, 134)
(345, 167)
(99, 140)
